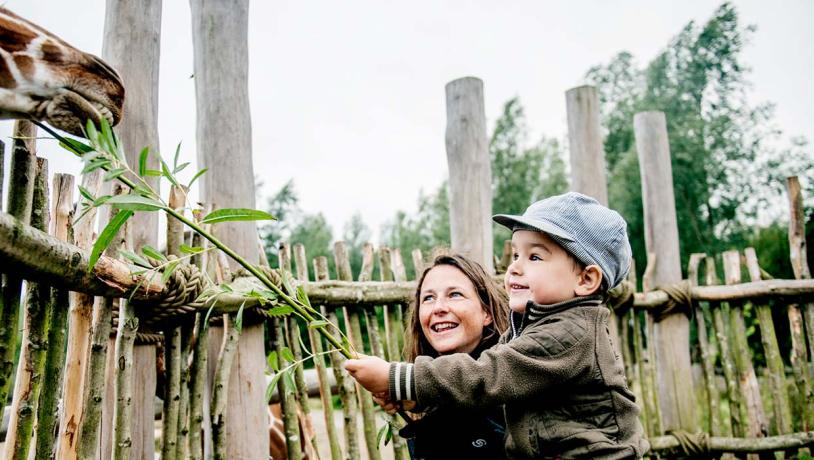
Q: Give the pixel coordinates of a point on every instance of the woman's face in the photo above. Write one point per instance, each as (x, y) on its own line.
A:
(450, 312)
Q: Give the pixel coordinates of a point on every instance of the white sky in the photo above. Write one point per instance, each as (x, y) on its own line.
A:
(347, 98)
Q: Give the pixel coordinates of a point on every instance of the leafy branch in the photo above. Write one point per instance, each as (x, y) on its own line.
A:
(105, 152)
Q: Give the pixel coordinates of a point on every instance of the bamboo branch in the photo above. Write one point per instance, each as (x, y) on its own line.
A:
(21, 190)
(220, 388)
(47, 411)
(31, 365)
(741, 445)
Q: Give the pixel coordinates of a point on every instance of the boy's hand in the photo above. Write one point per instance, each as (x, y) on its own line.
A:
(391, 407)
(371, 372)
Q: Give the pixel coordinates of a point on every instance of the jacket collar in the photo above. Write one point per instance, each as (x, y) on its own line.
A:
(535, 311)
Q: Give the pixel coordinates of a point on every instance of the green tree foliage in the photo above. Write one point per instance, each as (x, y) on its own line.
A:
(356, 233)
(521, 174)
(294, 226)
(728, 171)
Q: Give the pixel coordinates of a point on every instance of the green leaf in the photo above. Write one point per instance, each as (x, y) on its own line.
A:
(180, 168)
(235, 214)
(101, 200)
(91, 133)
(152, 253)
(114, 174)
(165, 170)
(169, 270)
(272, 361)
(239, 318)
(272, 386)
(152, 173)
(226, 288)
(279, 311)
(78, 148)
(287, 354)
(186, 249)
(86, 193)
(196, 176)
(175, 159)
(135, 203)
(381, 434)
(142, 161)
(317, 324)
(95, 164)
(205, 324)
(108, 139)
(135, 258)
(107, 236)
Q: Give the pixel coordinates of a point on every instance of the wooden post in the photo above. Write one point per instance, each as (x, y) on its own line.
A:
(345, 384)
(47, 410)
(774, 362)
(319, 363)
(756, 424)
(588, 160)
(720, 319)
(676, 392)
(220, 42)
(470, 171)
(79, 333)
(21, 190)
(30, 367)
(131, 44)
(799, 262)
(585, 143)
(343, 271)
(707, 352)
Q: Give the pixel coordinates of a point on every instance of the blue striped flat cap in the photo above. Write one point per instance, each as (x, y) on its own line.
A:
(592, 233)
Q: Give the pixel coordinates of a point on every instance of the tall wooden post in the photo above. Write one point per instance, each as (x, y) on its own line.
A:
(585, 143)
(676, 393)
(588, 159)
(132, 40)
(220, 41)
(470, 171)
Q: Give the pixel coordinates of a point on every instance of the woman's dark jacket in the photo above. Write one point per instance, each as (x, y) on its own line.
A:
(447, 433)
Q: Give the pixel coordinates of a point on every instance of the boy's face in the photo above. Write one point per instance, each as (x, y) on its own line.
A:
(541, 270)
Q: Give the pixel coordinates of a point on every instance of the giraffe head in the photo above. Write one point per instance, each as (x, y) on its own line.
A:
(43, 78)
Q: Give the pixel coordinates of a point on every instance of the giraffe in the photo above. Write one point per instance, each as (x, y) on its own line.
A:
(43, 78)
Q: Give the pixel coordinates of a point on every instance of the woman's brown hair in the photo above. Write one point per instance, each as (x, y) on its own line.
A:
(492, 299)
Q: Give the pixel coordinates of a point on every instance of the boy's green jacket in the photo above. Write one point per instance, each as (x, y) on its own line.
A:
(558, 376)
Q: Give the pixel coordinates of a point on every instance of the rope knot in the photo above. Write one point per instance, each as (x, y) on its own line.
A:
(679, 299)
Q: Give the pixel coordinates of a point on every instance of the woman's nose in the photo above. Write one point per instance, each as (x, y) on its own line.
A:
(440, 306)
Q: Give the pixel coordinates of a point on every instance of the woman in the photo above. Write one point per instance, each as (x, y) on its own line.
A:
(458, 308)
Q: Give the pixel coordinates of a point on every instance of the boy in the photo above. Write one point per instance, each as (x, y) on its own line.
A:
(555, 370)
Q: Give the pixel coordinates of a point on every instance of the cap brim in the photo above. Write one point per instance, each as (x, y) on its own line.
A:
(509, 221)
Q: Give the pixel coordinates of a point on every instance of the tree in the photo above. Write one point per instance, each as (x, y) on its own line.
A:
(726, 166)
(521, 174)
(356, 233)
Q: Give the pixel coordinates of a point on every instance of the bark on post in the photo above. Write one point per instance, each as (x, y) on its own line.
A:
(79, 332)
(287, 393)
(301, 263)
(771, 350)
(220, 42)
(676, 393)
(720, 319)
(585, 143)
(31, 364)
(707, 352)
(132, 39)
(345, 384)
(756, 424)
(21, 191)
(343, 272)
(470, 171)
(47, 411)
(123, 389)
(799, 262)
(220, 389)
(172, 397)
(588, 160)
(90, 429)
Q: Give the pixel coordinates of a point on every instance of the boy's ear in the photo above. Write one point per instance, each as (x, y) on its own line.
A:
(589, 281)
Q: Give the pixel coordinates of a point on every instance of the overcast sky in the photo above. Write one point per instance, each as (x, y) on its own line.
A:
(347, 98)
